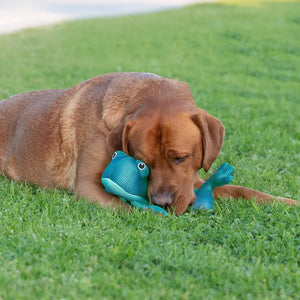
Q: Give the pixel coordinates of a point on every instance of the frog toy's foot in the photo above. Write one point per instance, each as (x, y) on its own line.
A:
(222, 176)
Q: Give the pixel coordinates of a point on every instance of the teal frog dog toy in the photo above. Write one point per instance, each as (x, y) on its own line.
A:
(127, 178)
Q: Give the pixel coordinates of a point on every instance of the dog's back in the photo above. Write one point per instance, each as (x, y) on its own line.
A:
(42, 132)
(21, 116)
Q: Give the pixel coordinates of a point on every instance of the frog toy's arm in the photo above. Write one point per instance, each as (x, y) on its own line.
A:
(205, 195)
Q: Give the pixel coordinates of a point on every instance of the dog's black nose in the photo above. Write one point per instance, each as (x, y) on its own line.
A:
(162, 199)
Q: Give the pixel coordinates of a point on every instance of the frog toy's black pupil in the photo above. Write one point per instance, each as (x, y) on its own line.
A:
(114, 155)
(141, 166)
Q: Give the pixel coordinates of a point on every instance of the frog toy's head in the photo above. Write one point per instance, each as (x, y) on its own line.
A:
(126, 178)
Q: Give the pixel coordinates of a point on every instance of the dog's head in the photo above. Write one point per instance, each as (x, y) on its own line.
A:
(175, 139)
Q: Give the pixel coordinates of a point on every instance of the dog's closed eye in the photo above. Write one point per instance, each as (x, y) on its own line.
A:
(177, 157)
(178, 160)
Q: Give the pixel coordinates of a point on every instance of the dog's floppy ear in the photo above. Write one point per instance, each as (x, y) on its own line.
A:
(212, 135)
(117, 138)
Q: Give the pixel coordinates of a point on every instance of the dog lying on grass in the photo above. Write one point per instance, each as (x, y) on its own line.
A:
(65, 138)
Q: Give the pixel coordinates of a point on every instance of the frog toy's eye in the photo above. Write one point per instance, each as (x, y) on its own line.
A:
(114, 155)
(141, 166)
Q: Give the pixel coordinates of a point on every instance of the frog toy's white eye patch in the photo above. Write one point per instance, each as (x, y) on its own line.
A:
(114, 155)
(141, 166)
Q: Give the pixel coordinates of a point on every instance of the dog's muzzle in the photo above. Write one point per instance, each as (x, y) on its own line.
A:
(163, 199)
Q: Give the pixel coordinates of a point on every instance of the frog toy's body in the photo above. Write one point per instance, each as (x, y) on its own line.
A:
(127, 178)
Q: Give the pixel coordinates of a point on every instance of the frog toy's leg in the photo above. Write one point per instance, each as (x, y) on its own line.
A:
(205, 195)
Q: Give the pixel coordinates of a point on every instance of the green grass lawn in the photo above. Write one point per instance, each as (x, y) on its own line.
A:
(243, 66)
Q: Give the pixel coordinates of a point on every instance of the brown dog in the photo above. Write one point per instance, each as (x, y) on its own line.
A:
(65, 138)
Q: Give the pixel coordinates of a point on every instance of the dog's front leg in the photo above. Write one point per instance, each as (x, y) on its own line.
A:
(90, 165)
(238, 192)
(92, 191)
